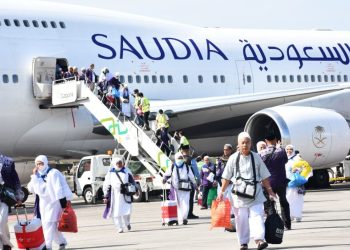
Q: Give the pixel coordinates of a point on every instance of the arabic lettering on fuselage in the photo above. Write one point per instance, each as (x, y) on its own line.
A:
(179, 49)
(338, 53)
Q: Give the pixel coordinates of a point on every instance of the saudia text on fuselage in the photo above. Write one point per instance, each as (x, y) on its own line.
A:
(181, 49)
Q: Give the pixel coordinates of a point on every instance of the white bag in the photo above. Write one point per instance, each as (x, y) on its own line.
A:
(211, 177)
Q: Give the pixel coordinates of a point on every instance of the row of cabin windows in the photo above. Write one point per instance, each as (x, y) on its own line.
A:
(307, 78)
(6, 78)
(163, 79)
(34, 23)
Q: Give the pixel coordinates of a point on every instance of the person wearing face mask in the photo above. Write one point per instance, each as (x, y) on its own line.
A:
(118, 205)
(52, 192)
(181, 175)
(8, 178)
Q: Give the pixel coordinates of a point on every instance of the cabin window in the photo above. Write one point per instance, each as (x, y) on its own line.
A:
(7, 22)
(215, 78)
(339, 78)
(319, 78)
(332, 78)
(17, 23)
(185, 78)
(291, 78)
(62, 25)
(130, 79)
(53, 24)
(249, 78)
(122, 78)
(26, 23)
(162, 79)
(44, 24)
(146, 79)
(200, 79)
(154, 78)
(299, 78)
(138, 79)
(5, 78)
(325, 78)
(170, 79)
(35, 24)
(312, 78)
(306, 78)
(276, 78)
(268, 78)
(222, 78)
(15, 78)
(346, 78)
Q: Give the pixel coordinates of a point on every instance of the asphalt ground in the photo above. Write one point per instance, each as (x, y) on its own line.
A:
(325, 225)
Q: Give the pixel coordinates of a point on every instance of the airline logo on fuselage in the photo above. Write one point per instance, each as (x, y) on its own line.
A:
(183, 49)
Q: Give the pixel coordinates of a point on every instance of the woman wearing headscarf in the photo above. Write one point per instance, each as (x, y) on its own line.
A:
(118, 204)
(294, 195)
(180, 173)
(52, 192)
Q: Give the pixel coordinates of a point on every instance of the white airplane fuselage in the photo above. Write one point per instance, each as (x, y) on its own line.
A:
(242, 60)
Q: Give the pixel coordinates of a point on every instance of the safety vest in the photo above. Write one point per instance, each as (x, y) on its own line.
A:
(137, 102)
(184, 141)
(145, 104)
(162, 120)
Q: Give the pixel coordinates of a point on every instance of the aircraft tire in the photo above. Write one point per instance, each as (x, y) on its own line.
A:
(320, 178)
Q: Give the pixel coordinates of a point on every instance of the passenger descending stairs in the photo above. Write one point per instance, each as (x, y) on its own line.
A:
(132, 137)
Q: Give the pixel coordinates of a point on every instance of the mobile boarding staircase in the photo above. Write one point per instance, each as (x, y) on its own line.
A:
(126, 132)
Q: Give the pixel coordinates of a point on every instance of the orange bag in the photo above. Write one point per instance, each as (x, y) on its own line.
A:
(68, 221)
(221, 214)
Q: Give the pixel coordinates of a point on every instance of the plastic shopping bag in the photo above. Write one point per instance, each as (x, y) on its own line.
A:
(68, 221)
(221, 213)
(296, 180)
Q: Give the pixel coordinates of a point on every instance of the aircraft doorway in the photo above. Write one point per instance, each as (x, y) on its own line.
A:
(245, 77)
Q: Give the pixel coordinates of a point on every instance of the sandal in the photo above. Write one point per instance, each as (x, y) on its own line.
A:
(244, 247)
(262, 245)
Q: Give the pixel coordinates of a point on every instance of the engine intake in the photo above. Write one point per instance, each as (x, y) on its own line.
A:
(321, 135)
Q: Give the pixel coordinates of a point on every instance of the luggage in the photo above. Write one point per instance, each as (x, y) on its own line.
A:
(169, 211)
(212, 194)
(200, 199)
(274, 229)
(29, 233)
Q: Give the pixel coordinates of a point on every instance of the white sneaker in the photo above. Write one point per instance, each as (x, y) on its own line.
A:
(120, 231)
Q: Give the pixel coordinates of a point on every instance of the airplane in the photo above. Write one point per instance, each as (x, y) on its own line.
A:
(214, 82)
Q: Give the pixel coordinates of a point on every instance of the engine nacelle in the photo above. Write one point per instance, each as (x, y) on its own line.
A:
(321, 135)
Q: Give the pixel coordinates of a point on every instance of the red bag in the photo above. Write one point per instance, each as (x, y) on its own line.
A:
(221, 214)
(68, 221)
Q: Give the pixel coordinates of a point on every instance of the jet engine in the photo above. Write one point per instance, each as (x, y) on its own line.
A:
(321, 135)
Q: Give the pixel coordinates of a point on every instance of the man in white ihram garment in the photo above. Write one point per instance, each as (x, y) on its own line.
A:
(118, 205)
(51, 187)
(183, 172)
(247, 210)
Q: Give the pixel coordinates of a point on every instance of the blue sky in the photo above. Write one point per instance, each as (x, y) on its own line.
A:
(261, 14)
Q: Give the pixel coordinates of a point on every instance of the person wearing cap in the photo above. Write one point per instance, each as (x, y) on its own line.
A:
(275, 158)
(118, 205)
(208, 179)
(162, 120)
(52, 192)
(180, 171)
(247, 210)
(8, 178)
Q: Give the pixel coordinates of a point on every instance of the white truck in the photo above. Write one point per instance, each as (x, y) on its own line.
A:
(86, 178)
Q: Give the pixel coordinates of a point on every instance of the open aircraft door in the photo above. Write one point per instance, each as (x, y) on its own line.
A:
(44, 73)
(245, 77)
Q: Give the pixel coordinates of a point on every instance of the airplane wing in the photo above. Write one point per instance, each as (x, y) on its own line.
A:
(225, 113)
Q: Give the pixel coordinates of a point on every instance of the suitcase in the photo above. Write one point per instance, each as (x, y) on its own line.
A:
(169, 211)
(29, 233)
(200, 199)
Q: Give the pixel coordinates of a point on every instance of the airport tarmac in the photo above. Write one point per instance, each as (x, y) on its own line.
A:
(325, 225)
